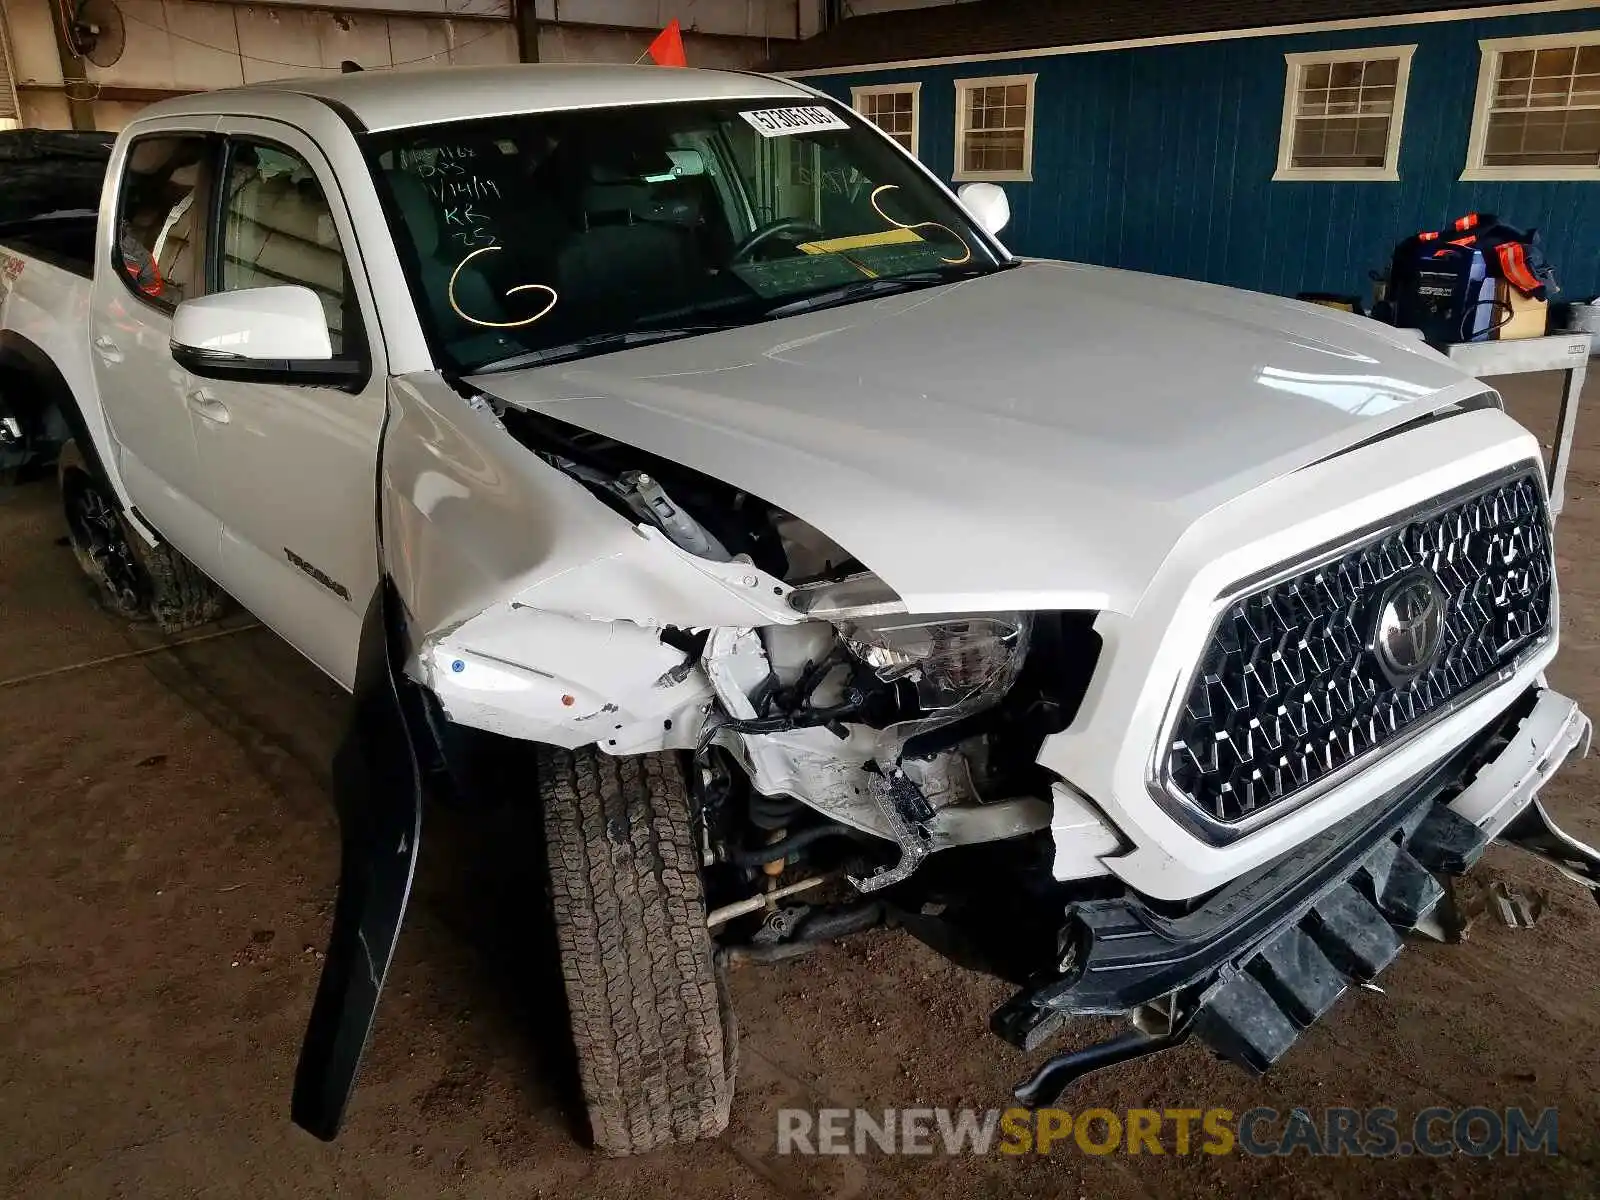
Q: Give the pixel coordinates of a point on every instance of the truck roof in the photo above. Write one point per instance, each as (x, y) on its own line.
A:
(398, 99)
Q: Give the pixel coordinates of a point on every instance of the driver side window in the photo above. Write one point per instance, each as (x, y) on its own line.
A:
(159, 216)
(278, 228)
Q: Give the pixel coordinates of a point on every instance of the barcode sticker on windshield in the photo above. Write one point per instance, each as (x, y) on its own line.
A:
(781, 122)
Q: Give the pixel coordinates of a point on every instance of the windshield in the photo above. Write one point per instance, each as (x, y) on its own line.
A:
(526, 235)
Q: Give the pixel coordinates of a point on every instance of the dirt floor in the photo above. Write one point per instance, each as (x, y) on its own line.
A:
(167, 871)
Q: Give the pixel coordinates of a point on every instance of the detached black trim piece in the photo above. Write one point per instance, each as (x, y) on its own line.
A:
(1263, 958)
(378, 790)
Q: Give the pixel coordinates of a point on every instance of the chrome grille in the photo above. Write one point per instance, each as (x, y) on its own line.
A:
(1288, 691)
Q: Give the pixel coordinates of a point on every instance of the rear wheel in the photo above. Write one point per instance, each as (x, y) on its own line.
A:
(135, 580)
(654, 1035)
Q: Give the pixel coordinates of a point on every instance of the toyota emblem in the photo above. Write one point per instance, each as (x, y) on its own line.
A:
(1409, 628)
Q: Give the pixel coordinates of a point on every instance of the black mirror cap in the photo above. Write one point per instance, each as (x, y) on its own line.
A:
(346, 373)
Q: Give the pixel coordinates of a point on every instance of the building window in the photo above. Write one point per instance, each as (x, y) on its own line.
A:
(892, 108)
(1537, 114)
(994, 128)
(1342, 113)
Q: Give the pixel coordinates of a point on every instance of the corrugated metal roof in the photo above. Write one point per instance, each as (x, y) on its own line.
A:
(1004, 26)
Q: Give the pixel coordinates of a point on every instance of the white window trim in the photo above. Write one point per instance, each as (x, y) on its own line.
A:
(1489, 52)
(858, 94)
(963, 86)
(1294, 64)
(10, 103)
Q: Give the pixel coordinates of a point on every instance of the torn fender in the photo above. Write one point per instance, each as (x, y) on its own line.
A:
(535, 610)
(473, 520)
(378, 791)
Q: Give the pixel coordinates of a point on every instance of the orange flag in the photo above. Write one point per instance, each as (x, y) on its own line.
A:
(667, 49)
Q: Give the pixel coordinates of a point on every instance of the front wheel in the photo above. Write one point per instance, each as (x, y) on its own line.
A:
(654, 1037)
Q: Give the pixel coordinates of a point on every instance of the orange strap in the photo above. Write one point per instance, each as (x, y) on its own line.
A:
(1460, 243)
(1467, 222)
(156, 284)
(1514, 267)
(1430, 236)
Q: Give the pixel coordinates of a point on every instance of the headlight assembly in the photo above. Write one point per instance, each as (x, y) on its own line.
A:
(961, 662)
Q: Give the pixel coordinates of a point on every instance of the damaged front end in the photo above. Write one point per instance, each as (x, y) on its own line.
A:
(679, 613)
(553, 586)
(557, 586)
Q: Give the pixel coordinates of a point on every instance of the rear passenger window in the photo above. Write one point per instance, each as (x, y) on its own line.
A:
(277, 228)
(160, 215)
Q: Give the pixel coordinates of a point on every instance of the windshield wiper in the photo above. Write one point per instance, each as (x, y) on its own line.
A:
(595, 343)
(860, 289)
(601, 343)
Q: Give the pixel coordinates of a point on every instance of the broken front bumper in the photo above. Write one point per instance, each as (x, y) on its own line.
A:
(1264, 957)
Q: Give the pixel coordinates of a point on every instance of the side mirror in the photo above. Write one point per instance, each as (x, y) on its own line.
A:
(987, 203)
(259, 335)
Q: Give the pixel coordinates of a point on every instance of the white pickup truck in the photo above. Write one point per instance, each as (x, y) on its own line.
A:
(1153, 645)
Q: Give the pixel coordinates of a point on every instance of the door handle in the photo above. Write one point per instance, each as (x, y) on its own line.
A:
(208, 406)
(107, 349)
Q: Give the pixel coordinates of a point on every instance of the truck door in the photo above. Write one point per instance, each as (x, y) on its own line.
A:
(290, 471)
(152, 257)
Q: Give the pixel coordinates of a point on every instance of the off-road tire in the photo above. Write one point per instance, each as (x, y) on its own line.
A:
(149, 583)
(654, 1035)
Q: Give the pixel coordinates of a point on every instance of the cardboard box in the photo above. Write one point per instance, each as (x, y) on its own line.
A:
(1528, 318)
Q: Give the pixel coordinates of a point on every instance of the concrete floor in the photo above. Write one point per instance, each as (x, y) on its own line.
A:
(168, 854)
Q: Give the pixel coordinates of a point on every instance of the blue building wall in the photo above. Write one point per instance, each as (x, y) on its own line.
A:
(1161, 159)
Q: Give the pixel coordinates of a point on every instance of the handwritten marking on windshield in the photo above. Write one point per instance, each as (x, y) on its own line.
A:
(521, 287)
(445, 171)
(467, 225)
(841, 181)
(891, 187)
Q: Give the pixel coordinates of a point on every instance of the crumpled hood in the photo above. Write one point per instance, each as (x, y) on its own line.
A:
(1038, 437)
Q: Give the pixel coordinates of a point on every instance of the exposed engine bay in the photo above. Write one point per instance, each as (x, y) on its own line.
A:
(919, 730)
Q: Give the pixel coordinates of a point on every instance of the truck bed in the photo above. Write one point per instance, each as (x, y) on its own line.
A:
(64, 240)
(50, 186)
